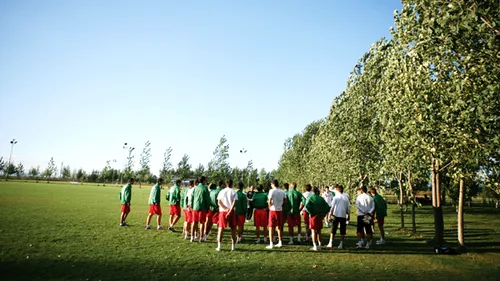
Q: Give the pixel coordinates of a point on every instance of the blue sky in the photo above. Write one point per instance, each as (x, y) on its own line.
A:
(80, 78)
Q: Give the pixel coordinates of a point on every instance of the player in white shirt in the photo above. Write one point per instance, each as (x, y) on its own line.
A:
(305, 214)
(276, 199)
(227, 216)
(365, 206)
(339, 213)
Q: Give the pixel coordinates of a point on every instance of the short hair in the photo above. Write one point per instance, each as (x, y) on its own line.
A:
(286, 185)
(196, 182)
(308, 187)
(341, 188)
(260, 188)
(363, 188)
(240, 185)
(212, 186)
(275, 183)
(316, 190)
(373, 190)
(229, 183)
(221, 183)
(293, 185)
(178, 182)
(131, 180)
(159, 180)
(191, 182)
(202, 179)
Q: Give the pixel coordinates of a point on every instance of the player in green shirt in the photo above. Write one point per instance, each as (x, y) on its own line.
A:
(293, 217)
(125, 198)
(317, 208)
(380, 213)
(259, 203)
(200, 204)
(241, 211)
(174, 198)
(154, 205)
(213, 212)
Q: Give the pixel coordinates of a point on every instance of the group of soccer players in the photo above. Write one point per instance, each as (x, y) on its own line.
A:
(228, 208)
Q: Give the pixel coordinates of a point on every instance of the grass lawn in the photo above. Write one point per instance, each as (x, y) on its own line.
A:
(59, 231)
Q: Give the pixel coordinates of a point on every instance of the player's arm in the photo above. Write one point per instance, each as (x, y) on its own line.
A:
(221, 205)
(231, 208)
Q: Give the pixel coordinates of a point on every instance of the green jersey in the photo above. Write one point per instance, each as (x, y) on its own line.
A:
(183, 198)
(241, 203)
(214, 205)
(126, 194)
(380, 206)
(286, 205)
(174, 195)
(259, 200)
(155, 195)
(294, 199)
(200, 199)
(317, 206)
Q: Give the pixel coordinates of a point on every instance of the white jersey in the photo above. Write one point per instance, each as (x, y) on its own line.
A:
(307, 194)
(365, 204)
(340, 206)
(328, 196)
(189, 193)
(226, 196)
(278, 197)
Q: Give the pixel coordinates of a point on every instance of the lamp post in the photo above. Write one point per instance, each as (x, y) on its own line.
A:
(123, 166)
(243, 151)
(12, 142)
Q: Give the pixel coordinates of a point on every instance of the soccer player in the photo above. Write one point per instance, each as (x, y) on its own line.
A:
(213, 212)
(125, 198)
(286, 205)
(187, 211)
(317, 208)
(259, 202)
(365, 206)
(276, 199)
(380, 213)
(328, 196)
(174, 197)
(200, 203)
(227, 201)
(241, 211)
(338, 215)
(154, 205)
(250, 194)
(305, 214)
(293, 217)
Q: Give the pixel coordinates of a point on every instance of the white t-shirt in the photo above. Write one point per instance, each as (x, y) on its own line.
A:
(189, 193)
(340, 206)
(278, 196)
(307, 194)
(365, 204)
(328, 196)
(227, 196)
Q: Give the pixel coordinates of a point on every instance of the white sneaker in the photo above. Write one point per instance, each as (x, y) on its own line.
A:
(291, 242)
(341, 246)
(217, 249)
(269, 247)
(148, 227)
(367, 246)
(238, 240)
(314, 249)
(257, 241)
(279, 245)
(329, 245)
(360, 244)
(380, 242)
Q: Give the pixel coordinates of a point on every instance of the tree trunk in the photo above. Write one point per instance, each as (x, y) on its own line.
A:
(413, 205)
(436, 204)
(461, 214)
(400, 179)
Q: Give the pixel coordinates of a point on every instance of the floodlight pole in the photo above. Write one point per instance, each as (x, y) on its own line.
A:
(123, 166)
(243, 152)
(12, 142)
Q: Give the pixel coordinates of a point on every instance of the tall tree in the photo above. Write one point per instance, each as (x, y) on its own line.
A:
(166, 170)
(218, 167)
(66, 172)
(144, 171)
(184, 168)
(19, 170)
(51, 169)
(34, 172)
(199, 171)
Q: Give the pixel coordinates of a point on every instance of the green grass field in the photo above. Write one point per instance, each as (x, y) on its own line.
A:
(70, 232)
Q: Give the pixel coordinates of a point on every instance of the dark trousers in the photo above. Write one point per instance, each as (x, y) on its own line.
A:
(249, 213)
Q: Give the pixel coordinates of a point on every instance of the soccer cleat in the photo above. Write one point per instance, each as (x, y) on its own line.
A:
(148, 227)
(341, 245)
(160, 228)
(367, 246)
(380, 242)
(257, 241)
(360, 243)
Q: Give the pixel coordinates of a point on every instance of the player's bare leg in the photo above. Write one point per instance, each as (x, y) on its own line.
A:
(148, 220)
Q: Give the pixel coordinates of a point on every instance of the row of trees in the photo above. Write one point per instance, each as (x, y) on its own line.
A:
(421, 109)
(217, 169)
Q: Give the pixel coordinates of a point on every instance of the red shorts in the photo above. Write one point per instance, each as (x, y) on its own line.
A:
(188, 216)
(305, 215)
(240, 221)
(155, 209)
(293, 220)
(125, 208)
(212, 217)
(229, 221)
(275, 219)
(260, 218)
(380, 221)
(316, 223)
(199, 216)
(175, 210)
